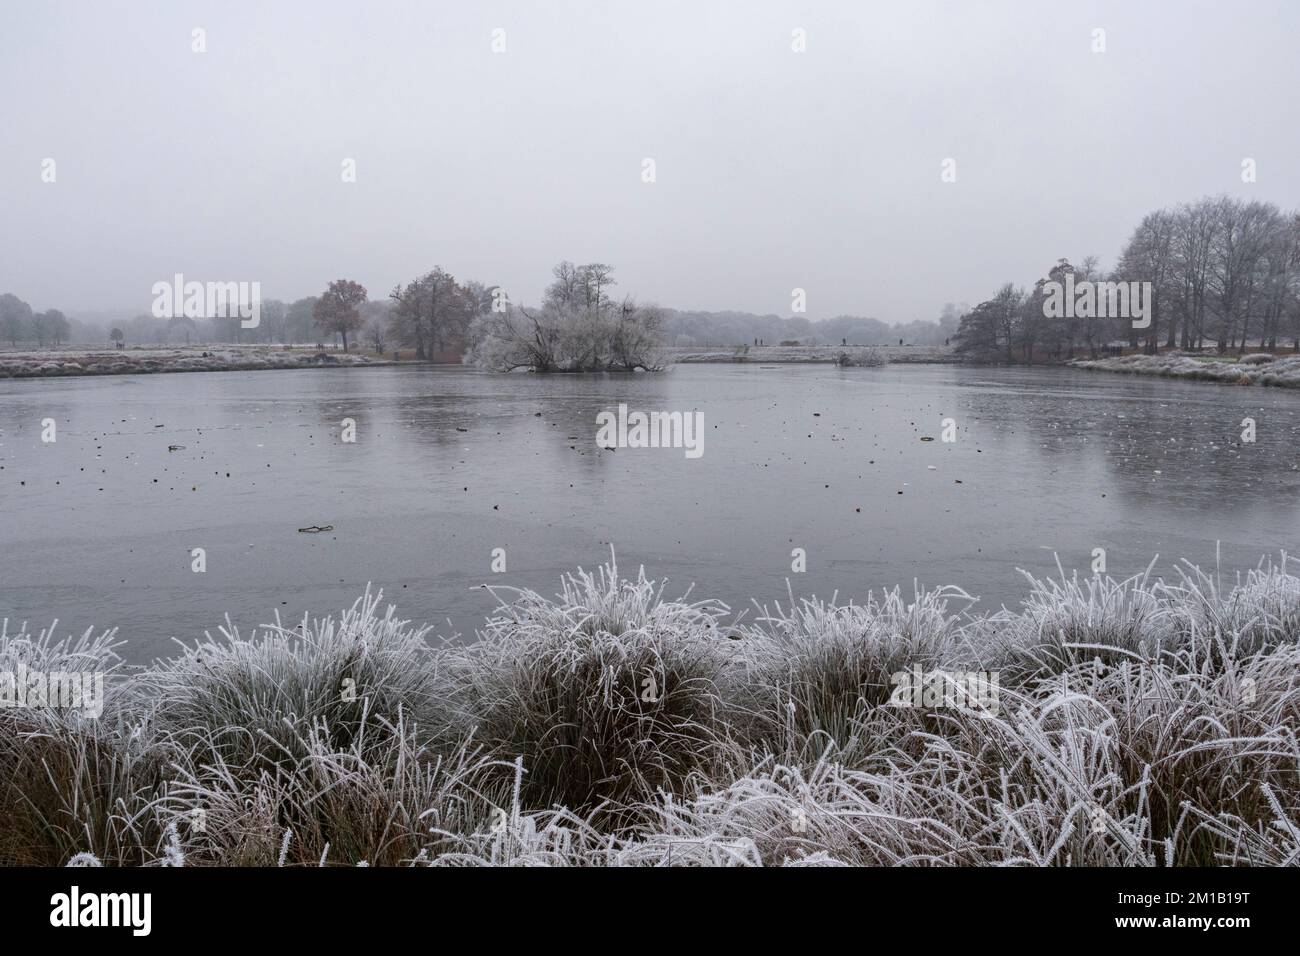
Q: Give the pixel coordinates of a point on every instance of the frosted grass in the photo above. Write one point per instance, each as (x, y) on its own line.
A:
(1255, 369)
(1141, 722)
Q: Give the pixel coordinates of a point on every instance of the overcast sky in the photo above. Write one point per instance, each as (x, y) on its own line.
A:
(774, 169)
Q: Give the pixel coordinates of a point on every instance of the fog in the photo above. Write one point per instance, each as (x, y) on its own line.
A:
(773, 169)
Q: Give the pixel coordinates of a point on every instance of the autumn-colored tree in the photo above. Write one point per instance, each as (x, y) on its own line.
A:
(339, 308)
(433, 312)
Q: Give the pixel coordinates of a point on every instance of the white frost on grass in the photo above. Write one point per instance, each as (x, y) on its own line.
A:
(1257, 369)
(1140, 723)
(143, 361)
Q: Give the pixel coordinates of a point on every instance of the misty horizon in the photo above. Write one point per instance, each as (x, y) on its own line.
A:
(225, 164)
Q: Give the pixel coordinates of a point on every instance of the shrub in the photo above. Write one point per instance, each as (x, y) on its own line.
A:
(254, 703)
(1069, 621)
(383, 798)
(607, 693)
(861, 358)
(69, 781)
(818, 669)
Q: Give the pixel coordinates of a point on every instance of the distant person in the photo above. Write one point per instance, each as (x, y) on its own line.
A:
(844, 341)
(900, 341)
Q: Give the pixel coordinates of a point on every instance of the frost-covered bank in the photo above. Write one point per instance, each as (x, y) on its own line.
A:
(145, 361)
(1249, 370)
(824, 354)
(1133, 723)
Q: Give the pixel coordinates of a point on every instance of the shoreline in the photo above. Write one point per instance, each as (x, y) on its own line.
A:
(1258, 369)
(76, 362)
(813, 354)
(73, 362)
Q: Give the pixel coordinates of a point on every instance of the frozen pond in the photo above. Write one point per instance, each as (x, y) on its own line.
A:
(449, 464)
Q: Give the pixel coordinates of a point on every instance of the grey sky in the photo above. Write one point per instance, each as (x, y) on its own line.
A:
(774, 169)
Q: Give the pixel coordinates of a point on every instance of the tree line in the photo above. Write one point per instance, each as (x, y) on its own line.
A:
(578, 327)
(1224, 272)
(436, 315)
(694, 329)
(432, 315)
(19, 323)
(281, 323)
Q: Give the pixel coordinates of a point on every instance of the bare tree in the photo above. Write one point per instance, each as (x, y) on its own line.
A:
(595, 277)
(1237, 253)
(1148, 257)
(1008, 314)
(375, 331)
(1196, 227)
